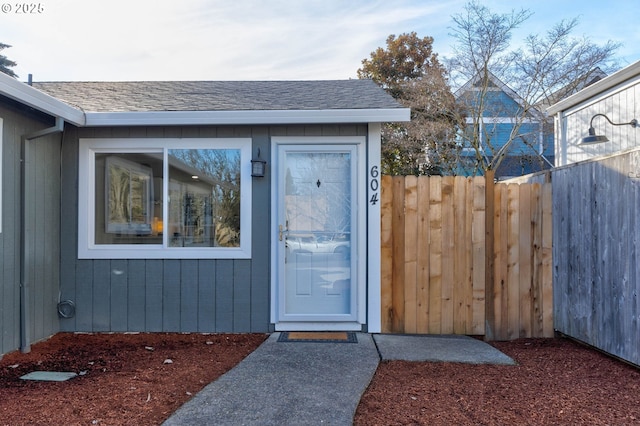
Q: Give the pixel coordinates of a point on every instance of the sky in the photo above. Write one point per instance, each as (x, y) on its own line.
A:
(132, 40)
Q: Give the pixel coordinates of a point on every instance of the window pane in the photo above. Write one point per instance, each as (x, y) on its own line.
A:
(128, 201)
(204, 198)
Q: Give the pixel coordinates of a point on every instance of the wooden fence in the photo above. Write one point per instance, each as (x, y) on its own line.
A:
(596, 252)
(445, 238)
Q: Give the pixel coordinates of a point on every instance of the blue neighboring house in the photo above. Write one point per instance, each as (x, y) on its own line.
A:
(531, 148)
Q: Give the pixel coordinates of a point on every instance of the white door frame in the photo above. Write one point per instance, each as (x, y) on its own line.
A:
(359, 209)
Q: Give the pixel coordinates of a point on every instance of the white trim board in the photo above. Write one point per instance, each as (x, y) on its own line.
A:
(318, 326)
(34, 98)
(597, 89)
(374, 296)
(360, 210)
(259, 117)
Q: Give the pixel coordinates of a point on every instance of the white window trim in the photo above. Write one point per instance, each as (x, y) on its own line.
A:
(87, 249)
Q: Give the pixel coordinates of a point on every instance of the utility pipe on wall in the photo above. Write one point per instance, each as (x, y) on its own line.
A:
(25, 339)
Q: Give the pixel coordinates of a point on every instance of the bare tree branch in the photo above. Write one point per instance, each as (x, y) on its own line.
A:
(545, 69)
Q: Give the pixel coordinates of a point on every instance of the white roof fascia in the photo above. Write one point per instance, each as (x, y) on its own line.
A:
(177, 118)
(596, 88)
(27, 95)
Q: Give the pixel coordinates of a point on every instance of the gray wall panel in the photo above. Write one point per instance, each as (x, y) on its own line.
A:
(232, 296)
(261, 249)
(10, 237)
(42, 222)
(136, 295)
(82, 295)
(206, 296)
(171, 295)
(119, 295)
(189, 294)
(101, 301)
(176, 295)
(52, 242)
(242, 296)
(224, 295)
(36, 229)
(153, 291)
(69, 224)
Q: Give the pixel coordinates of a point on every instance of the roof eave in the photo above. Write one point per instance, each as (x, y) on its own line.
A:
(34, 98)
(596, 88)
(249, 117)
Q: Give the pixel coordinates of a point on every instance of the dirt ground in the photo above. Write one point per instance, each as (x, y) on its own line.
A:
(140, 379)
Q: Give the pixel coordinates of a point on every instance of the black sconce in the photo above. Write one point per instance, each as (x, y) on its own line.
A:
(593, 138)
(258, 166)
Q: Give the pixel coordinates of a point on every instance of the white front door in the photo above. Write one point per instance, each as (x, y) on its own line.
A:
(317, 234)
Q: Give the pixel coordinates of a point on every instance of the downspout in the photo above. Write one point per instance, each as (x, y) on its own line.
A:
(25, 338)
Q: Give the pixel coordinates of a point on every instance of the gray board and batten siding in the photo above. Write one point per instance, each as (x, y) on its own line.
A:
(42, 226)
(189, 295)
(596, 236)
(174, 295)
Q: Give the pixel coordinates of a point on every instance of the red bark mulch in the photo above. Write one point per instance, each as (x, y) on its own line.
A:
(556, 382)
(127, 379)
(142, 378)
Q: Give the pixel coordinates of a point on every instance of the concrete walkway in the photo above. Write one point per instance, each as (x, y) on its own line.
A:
(305, 383)
(449, 348)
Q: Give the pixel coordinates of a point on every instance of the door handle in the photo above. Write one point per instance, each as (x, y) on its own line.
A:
(281, 230)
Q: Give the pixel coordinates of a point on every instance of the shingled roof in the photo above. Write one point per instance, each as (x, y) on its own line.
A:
(156, 96)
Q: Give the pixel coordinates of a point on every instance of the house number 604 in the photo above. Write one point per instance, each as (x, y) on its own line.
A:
(374, 184)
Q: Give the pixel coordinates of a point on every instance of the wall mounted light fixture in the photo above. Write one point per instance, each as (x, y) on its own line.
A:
(258, 166)
(593, 138)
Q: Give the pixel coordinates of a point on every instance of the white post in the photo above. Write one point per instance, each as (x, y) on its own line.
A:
(374, 304)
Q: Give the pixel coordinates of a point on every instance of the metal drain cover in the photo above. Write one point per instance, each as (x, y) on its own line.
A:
(49, 376)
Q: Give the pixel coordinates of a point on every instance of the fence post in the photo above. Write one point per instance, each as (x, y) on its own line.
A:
(398, 274)
(489, 255)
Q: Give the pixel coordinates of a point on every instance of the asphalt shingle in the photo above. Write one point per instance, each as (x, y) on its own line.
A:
(151, 96)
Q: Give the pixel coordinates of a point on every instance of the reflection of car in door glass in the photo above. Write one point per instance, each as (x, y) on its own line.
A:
(312, 243)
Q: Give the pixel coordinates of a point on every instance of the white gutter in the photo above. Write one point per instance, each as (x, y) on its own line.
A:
(596, 88)
(27, 95)
(179, 118)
